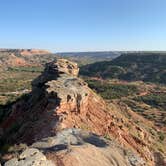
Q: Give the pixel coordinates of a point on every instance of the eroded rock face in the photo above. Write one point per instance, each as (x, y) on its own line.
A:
(60, 100)
(68, 67)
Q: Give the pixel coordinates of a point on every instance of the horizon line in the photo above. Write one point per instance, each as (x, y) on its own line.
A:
(82, 51)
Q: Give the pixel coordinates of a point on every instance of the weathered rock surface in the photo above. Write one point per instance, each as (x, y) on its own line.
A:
(60, 100)
(30, 157)
(55, 69)
(74, 147)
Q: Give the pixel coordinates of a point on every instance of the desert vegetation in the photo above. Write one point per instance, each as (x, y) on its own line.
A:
(148, 67)
(111, 90)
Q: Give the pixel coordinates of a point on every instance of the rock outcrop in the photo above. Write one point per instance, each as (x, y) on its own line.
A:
(30, 157)
(60, 100)
(74, 147)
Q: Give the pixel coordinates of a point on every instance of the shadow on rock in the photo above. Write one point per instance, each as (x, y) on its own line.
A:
(95, 140)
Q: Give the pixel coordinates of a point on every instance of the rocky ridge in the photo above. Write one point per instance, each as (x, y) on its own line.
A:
(60, 100)
(74, 147)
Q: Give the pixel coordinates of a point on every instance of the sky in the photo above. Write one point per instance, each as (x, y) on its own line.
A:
(83, 25)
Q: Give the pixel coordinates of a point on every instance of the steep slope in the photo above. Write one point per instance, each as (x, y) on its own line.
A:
(147, 99)
(149, 67)
(60, 100)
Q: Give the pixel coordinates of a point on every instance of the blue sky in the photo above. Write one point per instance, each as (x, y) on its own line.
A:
(83, 25)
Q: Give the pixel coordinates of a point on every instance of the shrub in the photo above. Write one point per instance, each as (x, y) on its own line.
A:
(112, 91)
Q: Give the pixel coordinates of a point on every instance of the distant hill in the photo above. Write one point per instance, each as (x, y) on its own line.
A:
(83, 58)
(37, 57)
(24, 57)
(148, 67)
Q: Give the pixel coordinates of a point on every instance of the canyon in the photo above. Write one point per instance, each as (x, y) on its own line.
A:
(61, 102)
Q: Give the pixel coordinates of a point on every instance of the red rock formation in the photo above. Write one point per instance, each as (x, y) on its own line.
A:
(29, 52)
(61, 100)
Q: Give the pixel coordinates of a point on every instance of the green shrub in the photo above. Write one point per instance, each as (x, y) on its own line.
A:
(161, 136)
(145, 66)
(153, 99)
(112, 91)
